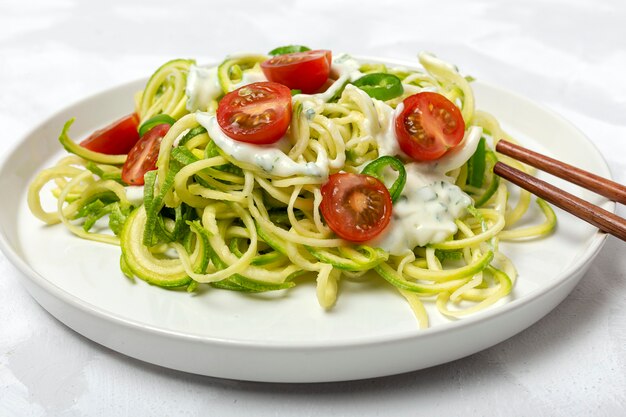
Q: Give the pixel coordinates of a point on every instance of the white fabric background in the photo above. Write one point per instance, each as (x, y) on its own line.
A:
(569, 56)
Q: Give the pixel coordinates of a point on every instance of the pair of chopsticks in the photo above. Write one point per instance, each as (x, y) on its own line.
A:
(602, 219)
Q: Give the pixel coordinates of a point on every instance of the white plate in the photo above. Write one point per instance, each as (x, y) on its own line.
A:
(283, 337)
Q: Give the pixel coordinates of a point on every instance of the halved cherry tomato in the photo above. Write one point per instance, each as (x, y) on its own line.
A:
(116, 139)
(142, 158)
(257, 113)
(356, 207)
(306, 71)
(429, 126)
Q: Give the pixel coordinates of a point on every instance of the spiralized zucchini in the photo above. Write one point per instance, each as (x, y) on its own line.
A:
(208, 218)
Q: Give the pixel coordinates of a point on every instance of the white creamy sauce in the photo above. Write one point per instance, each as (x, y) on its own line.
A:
(203, 86)
(134, 194)
(386, 137)
(422, 215)
(270, 158)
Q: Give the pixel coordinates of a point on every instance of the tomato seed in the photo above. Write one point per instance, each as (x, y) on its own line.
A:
(250, 121)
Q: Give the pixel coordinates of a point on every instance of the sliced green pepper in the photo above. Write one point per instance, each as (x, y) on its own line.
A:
(159, 119)
(490, 160)
(380, 86)
(476, 166)
(289, 49)
(376, 167)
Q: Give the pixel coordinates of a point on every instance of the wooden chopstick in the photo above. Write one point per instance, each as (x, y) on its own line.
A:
(605, 187)
(602, 219)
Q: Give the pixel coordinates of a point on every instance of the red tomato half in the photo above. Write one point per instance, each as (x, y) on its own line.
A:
(356, 207)
(142, 158)
(429, 126)
(306, 71)
(116, 139)
(257, 113)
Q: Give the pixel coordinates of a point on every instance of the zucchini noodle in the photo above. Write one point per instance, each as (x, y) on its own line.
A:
(215, 213)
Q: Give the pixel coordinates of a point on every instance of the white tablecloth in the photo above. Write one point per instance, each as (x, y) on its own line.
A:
(569, 56)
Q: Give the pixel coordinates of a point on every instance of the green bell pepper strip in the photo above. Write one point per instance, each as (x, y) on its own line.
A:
(159, 119)
(380, 86)
(376, 167)
(490, 161)
(476, 166)
(289, 49)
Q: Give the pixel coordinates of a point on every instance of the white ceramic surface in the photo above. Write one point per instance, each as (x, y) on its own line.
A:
(286, 337)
